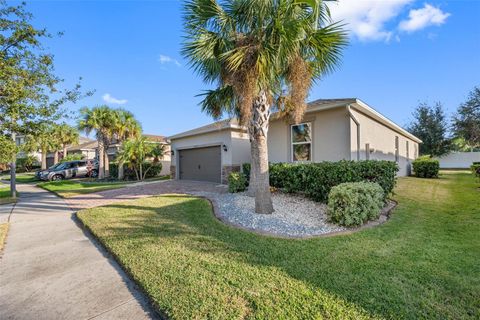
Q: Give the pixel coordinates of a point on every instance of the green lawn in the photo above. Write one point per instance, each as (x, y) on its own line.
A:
(423, 263)
(5, 194)
(69, 188)
(23, 177)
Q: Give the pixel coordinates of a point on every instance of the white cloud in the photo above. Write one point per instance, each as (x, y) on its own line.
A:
(166, 59)
(367, 19)
(421, 18)
(109, 99)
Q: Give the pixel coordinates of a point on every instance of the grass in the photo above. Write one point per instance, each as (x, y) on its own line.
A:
(5, 194)
(23, 177)
(3, 234)
(423, 263)
(68, 188)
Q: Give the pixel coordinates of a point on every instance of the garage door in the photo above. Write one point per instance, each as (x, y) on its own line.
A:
(202, 164)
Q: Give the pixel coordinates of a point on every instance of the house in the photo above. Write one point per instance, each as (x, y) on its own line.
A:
(331, 130)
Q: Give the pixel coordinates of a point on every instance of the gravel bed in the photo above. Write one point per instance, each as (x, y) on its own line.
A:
(294, 216)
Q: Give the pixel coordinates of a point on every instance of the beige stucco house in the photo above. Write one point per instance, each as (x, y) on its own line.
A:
(331, 130)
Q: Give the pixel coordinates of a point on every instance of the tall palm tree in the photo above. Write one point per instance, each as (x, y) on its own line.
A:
(258, 54)
(66, 135)
(125, 127)
(101, 120)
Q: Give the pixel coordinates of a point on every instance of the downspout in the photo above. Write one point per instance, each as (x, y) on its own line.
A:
(349, 109)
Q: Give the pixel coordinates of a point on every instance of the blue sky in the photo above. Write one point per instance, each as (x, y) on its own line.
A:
(401, 52)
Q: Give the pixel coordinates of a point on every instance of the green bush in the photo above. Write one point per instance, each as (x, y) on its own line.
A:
(354, 203)
(424, 167)
(475, 167)
(237, 182)
(27, 164)
(129, 174)
(316, 180)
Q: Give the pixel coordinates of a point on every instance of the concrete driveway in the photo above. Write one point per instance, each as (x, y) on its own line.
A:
(50, 269)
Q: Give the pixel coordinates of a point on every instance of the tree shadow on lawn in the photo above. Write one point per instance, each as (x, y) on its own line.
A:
(394, 270)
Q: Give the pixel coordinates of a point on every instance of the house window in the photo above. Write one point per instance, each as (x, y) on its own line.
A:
(367, 151)
(301, 142)
(397, 154)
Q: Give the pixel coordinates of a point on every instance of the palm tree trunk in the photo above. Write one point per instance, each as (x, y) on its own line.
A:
(141, 171)
(121, 173)
(44, 159)
(101, 163)
(253, 151)
(55, 157)
(107, 164)
(259, 150)
(64, 150)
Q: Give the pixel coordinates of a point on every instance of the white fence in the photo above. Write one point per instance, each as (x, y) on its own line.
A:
(459, 160)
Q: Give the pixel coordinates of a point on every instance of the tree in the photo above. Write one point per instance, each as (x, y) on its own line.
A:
(260, 53)
(135, 152)
(43, 140)
(466, 123)
(431, 126)
(29, 93)
(8, 149)
(66, 135)
(125, 127)
(100, 119)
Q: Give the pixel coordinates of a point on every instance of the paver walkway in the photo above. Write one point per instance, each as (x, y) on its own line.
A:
(50, 269)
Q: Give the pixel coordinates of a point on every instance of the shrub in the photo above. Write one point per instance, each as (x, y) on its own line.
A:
(237, 182)
(475, 167)
(27, 164)
(354, 203)
(316, 180)
(426, 167)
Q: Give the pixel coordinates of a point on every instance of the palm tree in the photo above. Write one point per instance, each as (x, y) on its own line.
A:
(44, 140)
(135, 151)
(66, 135)
(100, 119)
(126, 127)
(259, 54)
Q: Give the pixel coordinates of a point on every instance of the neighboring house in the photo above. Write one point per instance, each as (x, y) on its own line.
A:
(331, 130)
(88, 149)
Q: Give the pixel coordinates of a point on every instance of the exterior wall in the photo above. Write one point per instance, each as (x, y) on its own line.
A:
(459, 160)
(240, 148)
(330, 132)
(381, 141)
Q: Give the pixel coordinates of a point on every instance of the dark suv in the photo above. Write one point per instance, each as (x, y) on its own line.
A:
(69, 170)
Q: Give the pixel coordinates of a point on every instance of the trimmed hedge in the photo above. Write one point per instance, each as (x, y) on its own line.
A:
(237, 182)
(426, 167)
(354, 203)
(129, 174)
(316, 180)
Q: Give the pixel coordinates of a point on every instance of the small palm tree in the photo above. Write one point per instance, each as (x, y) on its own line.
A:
(135, 151)
(66, 135)
(42, 140)
(258, 54)
(126, 127)
(100, 119)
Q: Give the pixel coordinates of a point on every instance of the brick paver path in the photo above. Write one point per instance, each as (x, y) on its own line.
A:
(141, 191)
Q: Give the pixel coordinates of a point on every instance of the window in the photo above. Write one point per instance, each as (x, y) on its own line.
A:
(301, 142)
(397, 155)
(367, 151)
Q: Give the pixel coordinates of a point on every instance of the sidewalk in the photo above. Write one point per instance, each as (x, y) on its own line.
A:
(50, 269)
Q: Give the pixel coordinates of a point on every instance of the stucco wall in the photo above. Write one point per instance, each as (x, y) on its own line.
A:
(240, 145)
(330, 132)
(381, 140)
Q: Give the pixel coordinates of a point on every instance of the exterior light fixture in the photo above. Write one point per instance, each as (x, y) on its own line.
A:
(225, 148)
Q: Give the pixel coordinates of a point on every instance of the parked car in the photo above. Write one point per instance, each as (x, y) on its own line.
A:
(69, 170)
